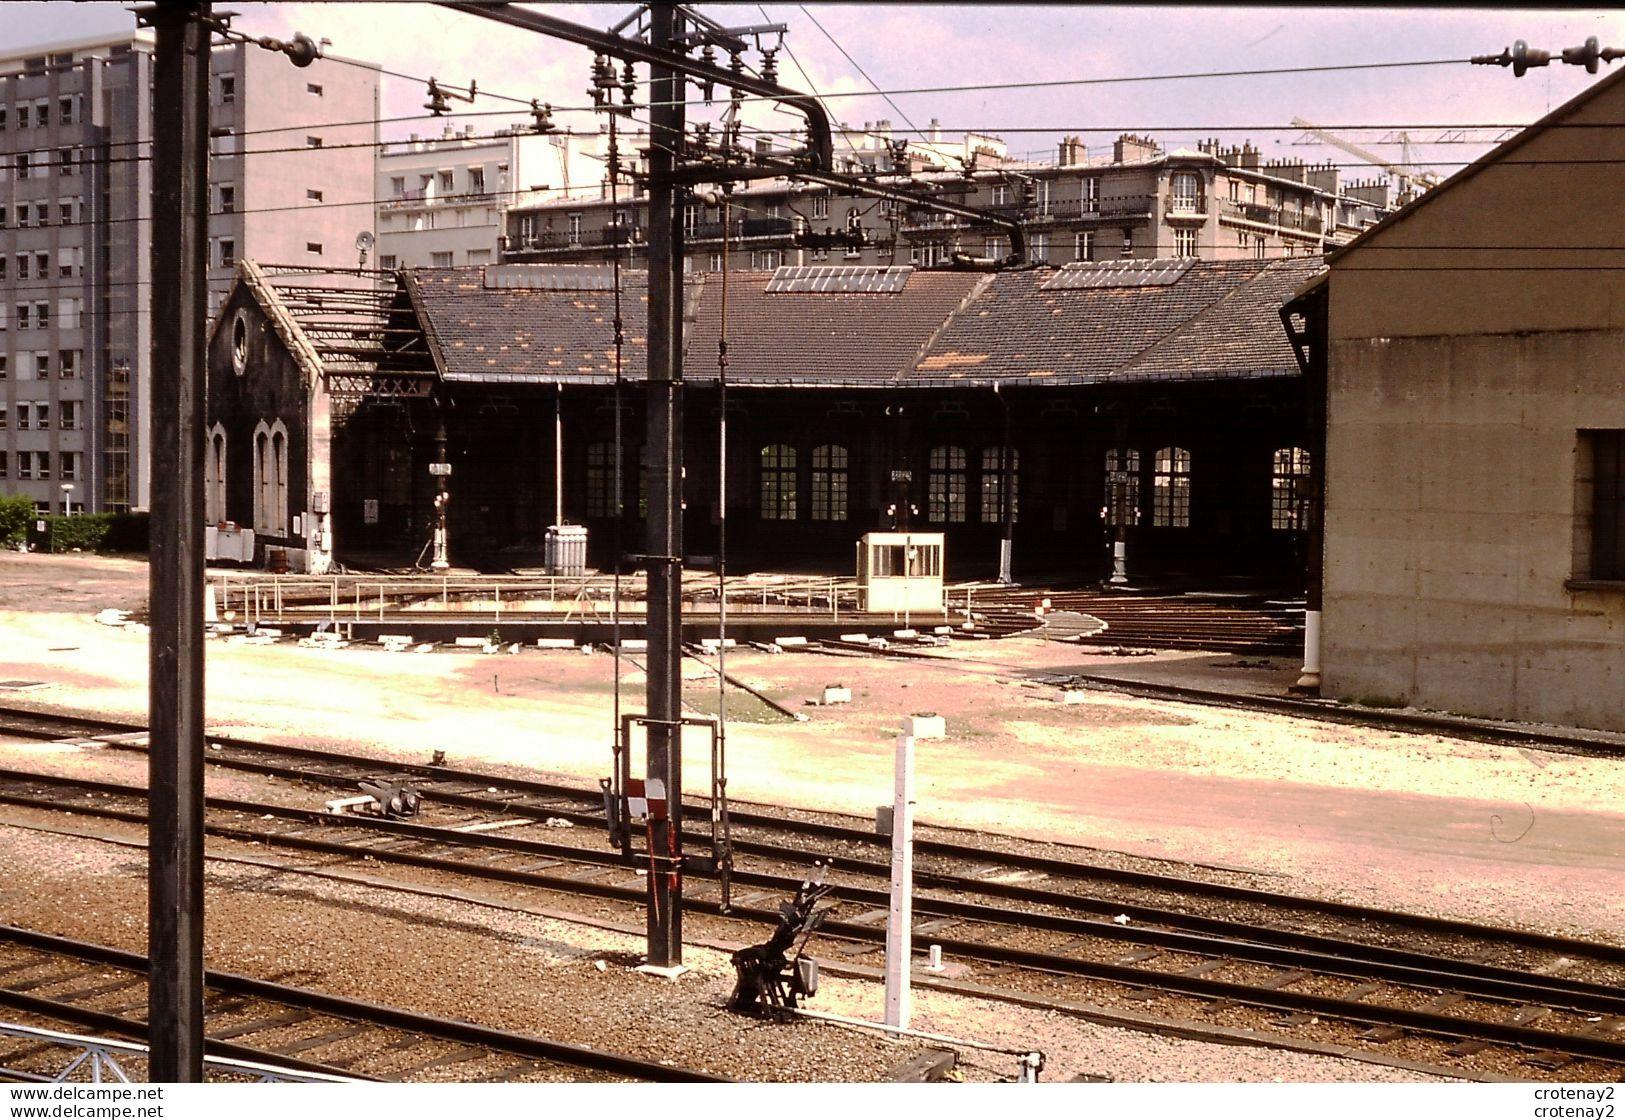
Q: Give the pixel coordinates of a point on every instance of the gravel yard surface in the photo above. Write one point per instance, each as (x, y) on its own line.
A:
(1488, 833)
(576, 982)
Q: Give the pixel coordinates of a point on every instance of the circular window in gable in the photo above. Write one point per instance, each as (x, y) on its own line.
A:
(239, 341)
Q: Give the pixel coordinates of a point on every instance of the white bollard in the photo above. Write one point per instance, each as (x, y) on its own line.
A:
(900, 923)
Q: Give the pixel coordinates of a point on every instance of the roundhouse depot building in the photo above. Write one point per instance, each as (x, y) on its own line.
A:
(1159, 399)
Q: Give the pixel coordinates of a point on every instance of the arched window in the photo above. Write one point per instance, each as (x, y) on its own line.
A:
(1289, 489)
(1171, 488)
(829, 482)
(945, 484)
(1186, 192)
(778, 482)
(262, 477)
(214, 477)
(993, 485)
(279, 479)
(271, 478)
(1122, 503)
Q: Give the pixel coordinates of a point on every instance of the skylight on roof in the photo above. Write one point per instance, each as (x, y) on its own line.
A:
(839, 278)
(551, 277)
(1117, 274)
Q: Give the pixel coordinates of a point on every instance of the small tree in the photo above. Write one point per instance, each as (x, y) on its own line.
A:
(16, 511)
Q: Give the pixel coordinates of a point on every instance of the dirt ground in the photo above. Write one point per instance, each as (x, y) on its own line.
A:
(1491, 833)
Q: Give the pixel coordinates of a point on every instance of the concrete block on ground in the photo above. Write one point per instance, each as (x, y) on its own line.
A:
(925, 725)
(854, 637)
(394, 639)
(794, 642)
(469, 643)
(837, 694)
(634, 645)
(711, 645)
(905, 635)
(555, 643)
(1074, 696)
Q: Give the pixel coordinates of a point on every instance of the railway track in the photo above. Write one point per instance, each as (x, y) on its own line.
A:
(58, 982)
(1032, 926)
(1148, 621)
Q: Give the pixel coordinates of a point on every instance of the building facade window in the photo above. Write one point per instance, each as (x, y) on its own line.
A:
(1084, 246)
(1184, 242)
(601, 479)
(1089, 203)
(1122, 498)
(1258, 246)
(271, 478)
(440, 260)
(1171, 488)
(993, 484)
(996, 248)
(1186, 192)
(387, 262)
(1602, 525)
(214, 477)
(778, 489)
(829, 482)
(945, 484)
(228, 198)
(1039, 251)
(1289, 489)
(766, 260)
(575, 229)
(1041, 195)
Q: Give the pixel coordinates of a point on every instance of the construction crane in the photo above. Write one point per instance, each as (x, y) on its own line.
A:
(1402, 174)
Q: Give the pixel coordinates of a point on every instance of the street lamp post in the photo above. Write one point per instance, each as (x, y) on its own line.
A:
(67, 498)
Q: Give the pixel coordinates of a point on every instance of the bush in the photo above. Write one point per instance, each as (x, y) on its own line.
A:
(82, 531)
(16, 515)
(126, 532)
(87, 532)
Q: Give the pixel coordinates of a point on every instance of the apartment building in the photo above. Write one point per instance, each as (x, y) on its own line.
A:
(443, 200)
(291, 182)
(1131, 201)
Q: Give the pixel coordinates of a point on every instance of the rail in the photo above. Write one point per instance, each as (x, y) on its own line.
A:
(98, 1059)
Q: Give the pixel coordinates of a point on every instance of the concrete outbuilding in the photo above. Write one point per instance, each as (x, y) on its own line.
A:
(1475, 435)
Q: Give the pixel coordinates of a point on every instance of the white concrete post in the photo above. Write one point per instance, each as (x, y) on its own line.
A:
(1310, 680)
(900, 923)
(1119, 560)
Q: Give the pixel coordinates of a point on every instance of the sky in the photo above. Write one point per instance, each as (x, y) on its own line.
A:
(1128, 67)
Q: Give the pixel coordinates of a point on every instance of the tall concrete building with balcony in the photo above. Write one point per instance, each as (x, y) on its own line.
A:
(291, 182)
(1133, 201)
(442, 201)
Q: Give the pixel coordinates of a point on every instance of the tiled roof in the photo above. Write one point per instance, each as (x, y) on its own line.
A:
(539, 335)
(1239, 336)
(811, 338)
(1217, 320)
(1016, 331)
